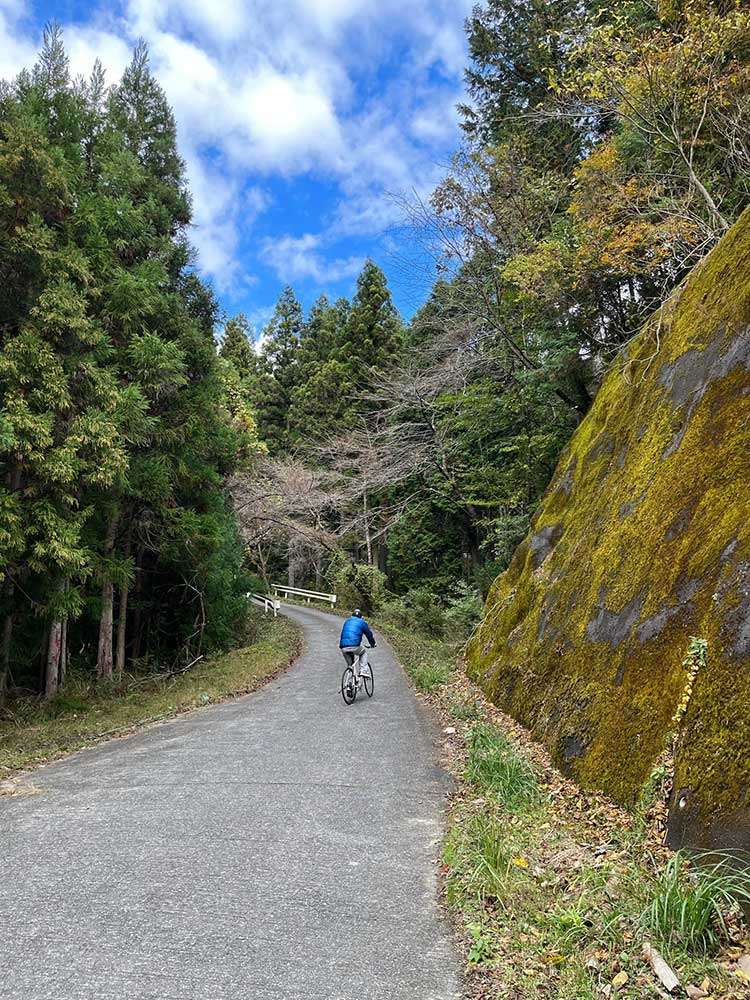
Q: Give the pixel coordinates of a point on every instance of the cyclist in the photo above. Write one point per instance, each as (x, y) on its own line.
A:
(351, 645)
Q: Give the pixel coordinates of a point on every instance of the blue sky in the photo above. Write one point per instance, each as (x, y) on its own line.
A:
(302, 122)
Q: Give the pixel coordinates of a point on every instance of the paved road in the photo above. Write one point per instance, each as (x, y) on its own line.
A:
(279, 846)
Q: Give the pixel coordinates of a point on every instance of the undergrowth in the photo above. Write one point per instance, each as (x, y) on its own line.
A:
(556, 891)
(32, 731)
(548, 911)
(427, 660)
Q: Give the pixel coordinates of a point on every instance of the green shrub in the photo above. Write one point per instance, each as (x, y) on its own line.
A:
(426, 612)
(395, 612)
(463, 611)
(434, 614)
(496, 766)
(356, 585)
(255, 584)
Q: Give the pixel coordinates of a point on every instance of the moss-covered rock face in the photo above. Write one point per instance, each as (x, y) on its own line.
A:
(642, 541)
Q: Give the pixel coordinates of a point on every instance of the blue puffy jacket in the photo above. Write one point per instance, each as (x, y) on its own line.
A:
(352, 632)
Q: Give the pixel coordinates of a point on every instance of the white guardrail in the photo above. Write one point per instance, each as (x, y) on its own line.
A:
(267, 603)
(309, 595)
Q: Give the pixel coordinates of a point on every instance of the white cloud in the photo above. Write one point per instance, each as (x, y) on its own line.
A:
(224, 207)
(86, 44)
(357, 92)
(16, 49)
(220, 19)
(301, 257)
(215, 233)
(288, 116)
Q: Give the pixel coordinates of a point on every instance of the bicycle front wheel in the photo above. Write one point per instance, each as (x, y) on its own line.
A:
(348, 686)
(369, 683)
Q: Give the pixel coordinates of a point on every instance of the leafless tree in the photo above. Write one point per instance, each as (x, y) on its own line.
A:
(282, 502)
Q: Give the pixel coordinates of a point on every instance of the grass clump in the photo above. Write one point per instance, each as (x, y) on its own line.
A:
(495, 765)
(689, 901)
(465, 711)
(479, 858)
(429, 675)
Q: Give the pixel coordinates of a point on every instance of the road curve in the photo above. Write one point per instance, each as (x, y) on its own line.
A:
(279, 846)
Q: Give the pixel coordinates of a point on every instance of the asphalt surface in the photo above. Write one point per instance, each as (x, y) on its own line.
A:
(279, 846)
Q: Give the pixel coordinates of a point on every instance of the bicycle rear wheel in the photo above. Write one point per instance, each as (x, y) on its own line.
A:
(348, 686)
(369, 682)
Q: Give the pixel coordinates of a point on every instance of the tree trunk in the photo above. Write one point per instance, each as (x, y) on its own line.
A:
(122, 619)
(262, 561)
(471, 537)
(368, 534)
(13, 480)
(318, 555)
(54, 646)
(104, 659)
(713, 208)
(137, 630)
(63, 671)
(121, 630)
(7, 635)
(382, 553)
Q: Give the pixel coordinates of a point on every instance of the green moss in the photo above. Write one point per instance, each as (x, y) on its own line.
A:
(586, 649)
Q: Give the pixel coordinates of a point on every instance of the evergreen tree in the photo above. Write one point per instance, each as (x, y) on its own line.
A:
(280, 371)
(60, 402)
(516, 47)
(322, 401)
(282, 337)
(236, 346)
(374, 332)
(143, 118)
(323, 333)
(117, 425)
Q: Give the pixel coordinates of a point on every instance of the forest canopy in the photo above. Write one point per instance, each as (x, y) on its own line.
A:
(118, 424)
(158, 461)
(605, 154)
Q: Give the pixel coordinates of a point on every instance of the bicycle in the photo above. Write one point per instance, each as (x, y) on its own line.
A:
(352, 681)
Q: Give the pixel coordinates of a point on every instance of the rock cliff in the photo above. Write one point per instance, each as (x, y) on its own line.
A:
(642, 541)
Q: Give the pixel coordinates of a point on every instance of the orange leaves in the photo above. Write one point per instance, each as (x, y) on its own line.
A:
(625, 224)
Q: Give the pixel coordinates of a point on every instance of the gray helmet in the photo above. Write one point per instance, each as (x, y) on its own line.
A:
(357, 613)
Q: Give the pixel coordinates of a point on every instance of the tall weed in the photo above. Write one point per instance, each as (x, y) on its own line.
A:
(495, 765)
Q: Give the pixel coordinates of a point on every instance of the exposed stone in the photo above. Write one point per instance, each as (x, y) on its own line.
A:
(642, 542)
(615, 627)
(543, 544)
(572, 747)
(652, 627)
